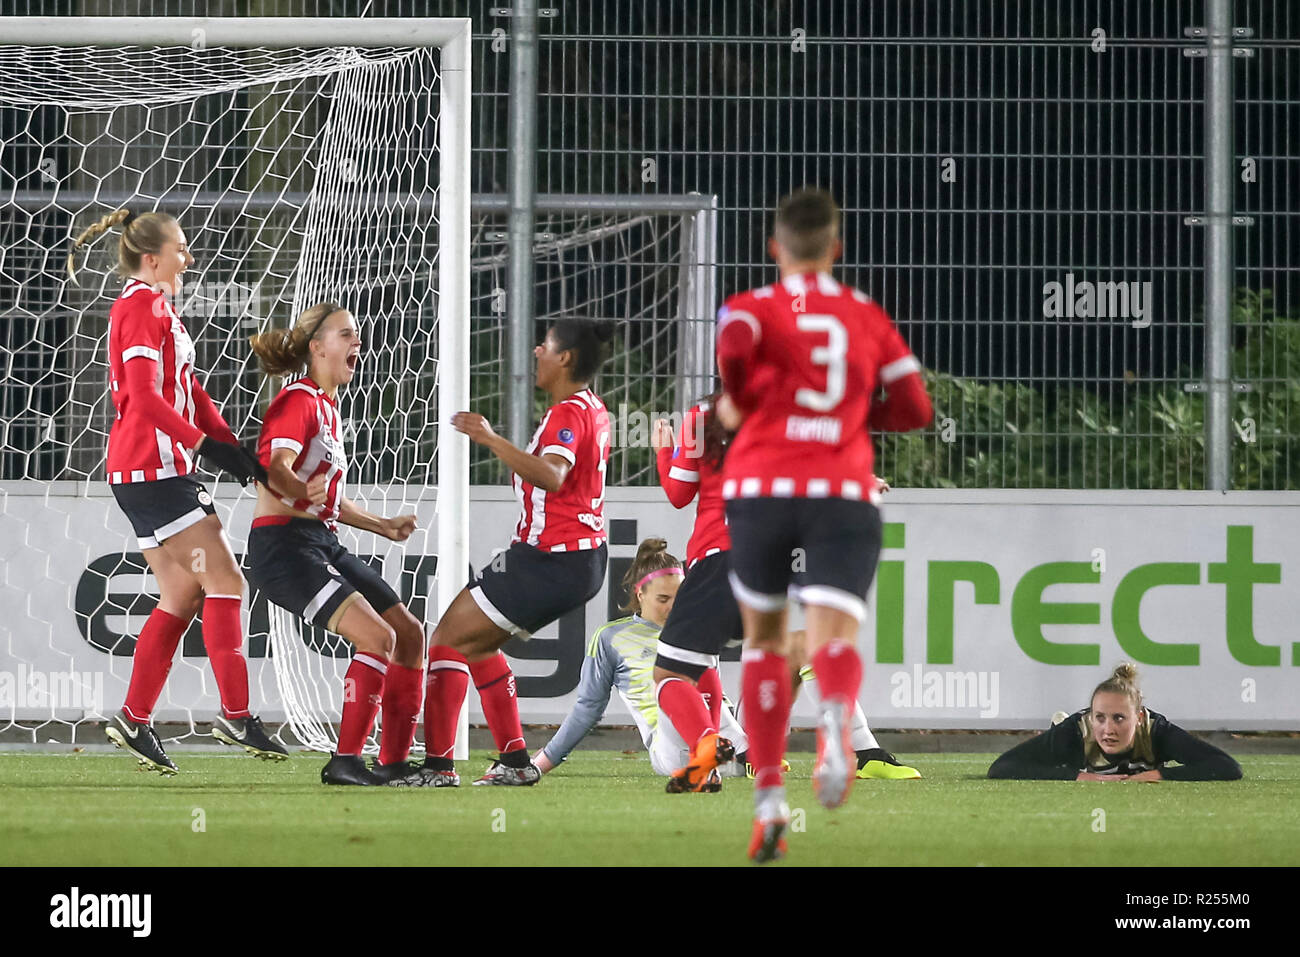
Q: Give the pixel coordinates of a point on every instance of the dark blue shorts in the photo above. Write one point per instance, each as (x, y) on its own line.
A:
(302, 567)
(821, 551)
(704, 620)
(524, 589)
(158, 510)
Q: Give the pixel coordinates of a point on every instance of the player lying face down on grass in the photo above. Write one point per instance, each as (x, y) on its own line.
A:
(809, 366)
(296, 559)
(621, 655)
(706, 618)
(555, 562)
(1116, 738)
(166, 421)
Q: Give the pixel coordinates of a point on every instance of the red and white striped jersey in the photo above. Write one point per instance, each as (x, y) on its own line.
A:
(306, 420)
(684, 472)
(143, 325)
(803, 359)
(577, 430)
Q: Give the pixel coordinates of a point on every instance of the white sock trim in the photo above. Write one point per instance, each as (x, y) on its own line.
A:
(379, 664)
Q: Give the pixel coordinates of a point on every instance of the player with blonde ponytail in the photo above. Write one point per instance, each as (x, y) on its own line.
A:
(1116, 738)
(165, 420)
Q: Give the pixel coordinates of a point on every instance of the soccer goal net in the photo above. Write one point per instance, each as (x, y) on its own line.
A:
(306, 161)
(334, 168)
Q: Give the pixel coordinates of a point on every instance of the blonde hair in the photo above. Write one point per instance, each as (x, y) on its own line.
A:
(651, 556)
(284, 351)
(142, 235)
(1123, 680)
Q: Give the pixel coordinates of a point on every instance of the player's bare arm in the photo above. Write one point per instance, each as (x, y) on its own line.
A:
(397, 529)
(547, 472)
(285, 483)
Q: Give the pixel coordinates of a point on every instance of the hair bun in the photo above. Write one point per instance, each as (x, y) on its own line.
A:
(651, 546)
(1126, 671)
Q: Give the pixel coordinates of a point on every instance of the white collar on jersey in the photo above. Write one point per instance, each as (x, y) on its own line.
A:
(133, 285)
(797, 285)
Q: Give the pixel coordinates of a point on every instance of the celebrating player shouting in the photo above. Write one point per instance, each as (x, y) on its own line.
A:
(164, 421)
(294, 554)
(802, 362)
(555, 563)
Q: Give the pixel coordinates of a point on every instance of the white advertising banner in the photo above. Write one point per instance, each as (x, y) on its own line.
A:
(989, 610)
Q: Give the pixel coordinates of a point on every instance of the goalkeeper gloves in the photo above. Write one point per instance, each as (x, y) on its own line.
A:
(235, 459)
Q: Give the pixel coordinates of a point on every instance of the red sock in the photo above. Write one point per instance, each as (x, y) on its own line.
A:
(839, 670)
(444, 694)
(363, 689)
(401, 709)
(682, 704)
(765, 684)
(154, 651)
(496, 690)
(710, 686)
(223, 637)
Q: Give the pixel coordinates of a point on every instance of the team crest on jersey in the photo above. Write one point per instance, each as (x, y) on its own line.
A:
(205, 498)
(566, 436)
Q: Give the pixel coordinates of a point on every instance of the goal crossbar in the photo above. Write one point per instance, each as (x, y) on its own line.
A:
(452, 34)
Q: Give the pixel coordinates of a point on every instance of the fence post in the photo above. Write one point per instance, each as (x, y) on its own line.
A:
(695, 337)
(1219, 187)
(523, 194)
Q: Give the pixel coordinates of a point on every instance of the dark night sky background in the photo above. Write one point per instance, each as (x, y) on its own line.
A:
(1068, 160)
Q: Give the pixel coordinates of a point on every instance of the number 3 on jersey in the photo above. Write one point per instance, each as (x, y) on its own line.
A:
(831, 355)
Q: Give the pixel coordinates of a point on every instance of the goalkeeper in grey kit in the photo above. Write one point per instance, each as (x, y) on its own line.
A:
(621, 655)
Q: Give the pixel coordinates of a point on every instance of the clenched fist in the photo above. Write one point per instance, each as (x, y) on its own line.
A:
(474, 425)
(318, 489)
(663, 437)
(399, 527)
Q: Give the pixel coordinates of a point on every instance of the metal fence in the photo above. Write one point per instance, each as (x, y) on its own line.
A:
(1024, 187)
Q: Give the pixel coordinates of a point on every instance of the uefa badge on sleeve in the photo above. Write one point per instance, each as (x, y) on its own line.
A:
(566, 436)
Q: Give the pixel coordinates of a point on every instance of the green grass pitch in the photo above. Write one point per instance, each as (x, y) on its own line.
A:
(609, 808)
